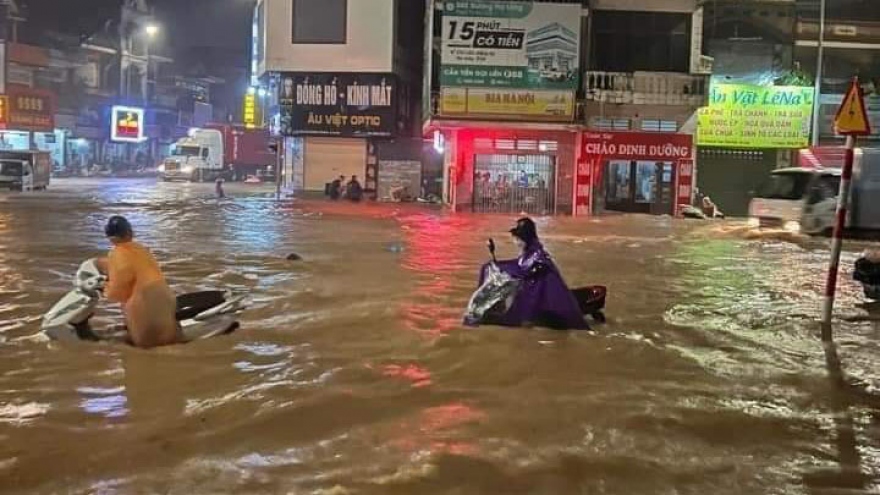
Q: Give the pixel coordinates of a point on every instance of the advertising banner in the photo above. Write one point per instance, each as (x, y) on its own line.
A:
(748, 116)
(30, 110)
(538, 104)
(249, 110)
(685, 186)
(639, 145)
(338, 104)
(526, 45)
(127, 124)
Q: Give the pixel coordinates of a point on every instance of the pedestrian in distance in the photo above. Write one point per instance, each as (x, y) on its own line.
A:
(353, 190)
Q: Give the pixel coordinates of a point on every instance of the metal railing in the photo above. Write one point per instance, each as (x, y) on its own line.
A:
(646, 88)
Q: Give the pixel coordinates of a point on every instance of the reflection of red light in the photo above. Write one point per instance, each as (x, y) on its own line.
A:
(419, 376)
(434, 430)
(433, 254)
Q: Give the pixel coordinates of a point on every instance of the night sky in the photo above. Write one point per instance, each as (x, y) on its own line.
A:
(185, 23)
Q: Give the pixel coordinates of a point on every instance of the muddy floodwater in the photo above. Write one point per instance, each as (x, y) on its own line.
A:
(353, 375)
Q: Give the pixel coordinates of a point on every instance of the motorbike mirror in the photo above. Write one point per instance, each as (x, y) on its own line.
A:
(492, 245)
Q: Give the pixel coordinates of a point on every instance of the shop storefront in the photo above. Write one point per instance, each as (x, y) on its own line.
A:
(331, 124)
(509, 171)
(635, 172)
(29, 123)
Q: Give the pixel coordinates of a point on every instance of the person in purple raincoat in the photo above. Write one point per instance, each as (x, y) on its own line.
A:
(542, 297)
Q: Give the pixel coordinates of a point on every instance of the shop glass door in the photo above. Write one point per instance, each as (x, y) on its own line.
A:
(633, 186)
(514, 184)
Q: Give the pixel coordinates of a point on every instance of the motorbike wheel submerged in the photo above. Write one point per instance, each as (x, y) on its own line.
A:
(492, 300)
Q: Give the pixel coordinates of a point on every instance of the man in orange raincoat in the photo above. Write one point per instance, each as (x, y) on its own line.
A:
(136, 281)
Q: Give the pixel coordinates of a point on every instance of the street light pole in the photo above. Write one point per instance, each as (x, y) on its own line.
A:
(817, 89)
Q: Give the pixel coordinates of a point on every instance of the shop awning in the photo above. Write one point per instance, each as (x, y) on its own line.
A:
(433, 124)
(822, 157)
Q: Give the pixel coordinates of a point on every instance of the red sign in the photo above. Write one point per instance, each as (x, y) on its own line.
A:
(598, 147)
(639, 145)
(685, 186)
(30, 110)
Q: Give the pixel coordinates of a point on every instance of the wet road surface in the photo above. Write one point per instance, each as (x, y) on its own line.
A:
(352, 374)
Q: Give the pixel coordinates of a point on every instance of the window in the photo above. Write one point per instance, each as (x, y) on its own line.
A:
(641, 41)
(603, 124)
(659, 125)
(320, 21)
(785, 186)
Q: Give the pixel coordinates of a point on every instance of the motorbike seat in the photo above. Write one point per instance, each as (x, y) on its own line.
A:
(192, 304)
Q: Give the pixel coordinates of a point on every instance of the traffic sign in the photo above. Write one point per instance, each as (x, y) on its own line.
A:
(852, 117)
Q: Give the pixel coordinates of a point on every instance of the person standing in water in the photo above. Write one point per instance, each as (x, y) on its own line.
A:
(135, 280)
(218, 188)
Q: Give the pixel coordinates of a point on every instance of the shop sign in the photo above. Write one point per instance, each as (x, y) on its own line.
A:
(685, 186)
(639, 145)
(500, 103)
(127, 124)
(749, 116)
(505, 44)
(338, 104)
(250, 110)
(4, 111)
(30, 110)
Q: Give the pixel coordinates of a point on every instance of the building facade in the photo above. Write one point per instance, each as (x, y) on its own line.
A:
(646, 79)
(739, 140)
(343, 81)
(562, 107)
(62, 88)
(502, 82)
(851, 47)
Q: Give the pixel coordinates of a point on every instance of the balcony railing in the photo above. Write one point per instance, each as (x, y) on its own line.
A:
(646, 88)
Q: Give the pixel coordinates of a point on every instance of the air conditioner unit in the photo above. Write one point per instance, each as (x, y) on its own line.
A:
(704, 66)
(844, 30)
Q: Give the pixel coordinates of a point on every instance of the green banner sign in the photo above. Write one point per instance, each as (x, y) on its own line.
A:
(747, 116)
(517, 45)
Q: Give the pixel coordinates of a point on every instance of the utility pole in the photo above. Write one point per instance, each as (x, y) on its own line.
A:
(820, 62)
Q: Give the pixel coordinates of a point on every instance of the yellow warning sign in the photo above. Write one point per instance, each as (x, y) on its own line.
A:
(852, 117)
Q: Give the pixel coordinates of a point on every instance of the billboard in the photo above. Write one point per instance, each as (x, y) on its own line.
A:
(529, 46)
(525, 45)
(500, 103)
(127, 124)
(338, 104)
(249, 110)
(30, 109)
(749, 116)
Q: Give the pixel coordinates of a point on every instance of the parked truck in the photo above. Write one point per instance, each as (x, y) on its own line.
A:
(227, 151)
(804, 199)
(25, 170)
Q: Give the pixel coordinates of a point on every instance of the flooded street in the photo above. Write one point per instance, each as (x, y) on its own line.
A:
(353, 375)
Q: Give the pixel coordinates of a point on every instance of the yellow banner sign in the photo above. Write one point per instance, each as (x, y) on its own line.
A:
(539, 104)
(250, 110)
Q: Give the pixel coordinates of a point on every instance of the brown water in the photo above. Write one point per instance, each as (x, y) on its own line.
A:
(352, 374)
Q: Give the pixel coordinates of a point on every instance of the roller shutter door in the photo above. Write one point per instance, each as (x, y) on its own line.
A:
(328, 158)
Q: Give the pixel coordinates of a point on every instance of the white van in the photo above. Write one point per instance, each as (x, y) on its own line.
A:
(805, 199)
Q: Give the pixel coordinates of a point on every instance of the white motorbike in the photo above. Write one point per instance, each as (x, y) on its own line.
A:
(200, 315)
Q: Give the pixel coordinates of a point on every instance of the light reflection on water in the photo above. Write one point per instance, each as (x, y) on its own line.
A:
(353, 374)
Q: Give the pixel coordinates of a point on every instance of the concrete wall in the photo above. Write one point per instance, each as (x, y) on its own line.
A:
(683, 6)
(369, 46)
